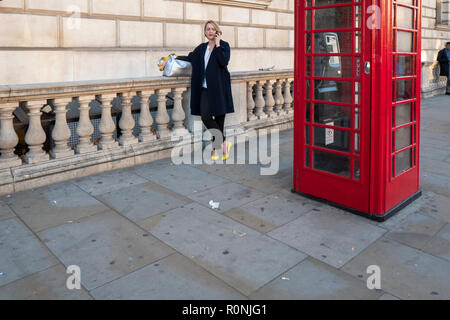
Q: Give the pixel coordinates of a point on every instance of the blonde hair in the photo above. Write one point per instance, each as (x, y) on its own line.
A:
(214, 24)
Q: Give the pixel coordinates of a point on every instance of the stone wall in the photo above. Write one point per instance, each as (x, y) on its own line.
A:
(73, 40)
(435, 33)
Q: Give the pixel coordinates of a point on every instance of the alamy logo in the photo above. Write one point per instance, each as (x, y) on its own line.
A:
(374, 280)
(74, 280)
(258, 148)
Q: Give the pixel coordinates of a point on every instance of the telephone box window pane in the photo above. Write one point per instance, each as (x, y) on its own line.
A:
(308, 43)
(402, 114)
(333, 139)
(357, 42)
(307, 135)
(330, 90)
(356, 142)
(357, 115)
(330, 2)
(402, 161)
(404, 41)
(333, 66)
(403, 65)
(356, 172)
(307, 112)
(308, 19)
(404, 17)
(406, 1)
(308, 3)
(333, 163)
(357, 16)
(357, 92)
(306, 157)
(403, 137)
(404, 89)
(333, 18)
(308, 66)
(328, 113)
(307, 88)
(333, 42)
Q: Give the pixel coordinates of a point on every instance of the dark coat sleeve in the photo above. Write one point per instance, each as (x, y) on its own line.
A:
(223, 54)
(443, 62)
(188, 58)
(442, 56)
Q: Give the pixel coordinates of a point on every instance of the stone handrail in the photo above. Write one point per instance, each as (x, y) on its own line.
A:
(35, 117)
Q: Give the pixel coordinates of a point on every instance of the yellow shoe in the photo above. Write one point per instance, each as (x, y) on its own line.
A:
(225, 156)
(215, 157)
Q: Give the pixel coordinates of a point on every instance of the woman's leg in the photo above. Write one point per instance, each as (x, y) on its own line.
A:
(211, 123)
(220, 122)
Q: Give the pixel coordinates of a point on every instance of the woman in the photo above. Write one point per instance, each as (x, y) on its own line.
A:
(210, 84)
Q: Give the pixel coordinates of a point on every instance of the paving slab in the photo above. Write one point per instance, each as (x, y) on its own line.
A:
(416, 230)
(315, 280)
(49, 284)
(398, 219)
(438, 208)
(240, 256)
(143, 201)
(250, 220)
(109, 181)
(269, 184)
(53, 205)
(105, 246)
(437, 183)
(278, 209)
(172, 278)
(329, 235)
(21, 252)
(183, 179)
(229, 195)
(5, 211)
(406, 272)
(439, 245)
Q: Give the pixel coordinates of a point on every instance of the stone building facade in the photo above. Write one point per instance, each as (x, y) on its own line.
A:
(73, 40)
(435, 33)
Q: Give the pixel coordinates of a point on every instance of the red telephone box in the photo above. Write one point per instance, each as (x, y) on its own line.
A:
(357, 103)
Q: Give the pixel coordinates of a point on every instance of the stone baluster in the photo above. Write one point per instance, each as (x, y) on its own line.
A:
(288, 97)
(85, 128)
(145, 118)
(35, 136)
(61, 132)
(127, 122)
(279, 100)
(8, 137)
(250, 102)
(270, 102)
(162, 116)
(178, 114)
(107, 125)
(259, 101)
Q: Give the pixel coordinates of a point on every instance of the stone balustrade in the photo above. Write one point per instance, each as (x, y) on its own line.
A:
(58, 131)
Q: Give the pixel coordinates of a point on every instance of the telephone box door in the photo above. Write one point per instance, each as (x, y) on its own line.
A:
(333, 89)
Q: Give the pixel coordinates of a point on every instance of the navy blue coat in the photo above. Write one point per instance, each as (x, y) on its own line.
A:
(443, 61)
(217, 75)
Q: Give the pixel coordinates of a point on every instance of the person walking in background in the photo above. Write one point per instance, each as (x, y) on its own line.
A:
(211, 96)
(444, 61)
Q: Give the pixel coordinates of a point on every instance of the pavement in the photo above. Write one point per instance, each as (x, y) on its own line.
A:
(149, 232)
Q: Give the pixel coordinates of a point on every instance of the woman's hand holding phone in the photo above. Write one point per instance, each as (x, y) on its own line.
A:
(218, 38)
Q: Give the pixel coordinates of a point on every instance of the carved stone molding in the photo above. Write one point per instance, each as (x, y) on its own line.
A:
(258, 4)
